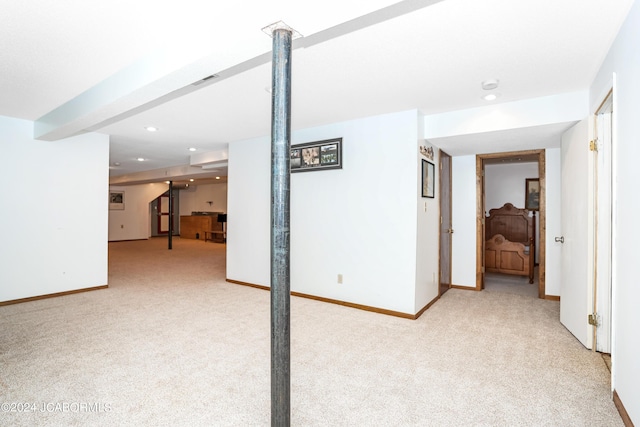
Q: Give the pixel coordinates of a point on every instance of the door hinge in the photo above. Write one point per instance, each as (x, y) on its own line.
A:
(593, 319)
(593, 145)
(483, 269)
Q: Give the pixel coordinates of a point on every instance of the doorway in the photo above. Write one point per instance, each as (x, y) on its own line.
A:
(482, 160)
(446, 229)
(160, 215)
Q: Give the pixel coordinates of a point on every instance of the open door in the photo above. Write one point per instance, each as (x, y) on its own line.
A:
(445, 222)
(576, 286)
(163, 214)
(160, 215)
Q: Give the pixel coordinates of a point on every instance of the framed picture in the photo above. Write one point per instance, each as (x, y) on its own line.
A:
(319, 155)
(532, 194)
(116, 200)
(428, 179)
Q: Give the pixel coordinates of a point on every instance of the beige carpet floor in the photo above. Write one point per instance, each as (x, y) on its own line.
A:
(506, 283)
(170, 343)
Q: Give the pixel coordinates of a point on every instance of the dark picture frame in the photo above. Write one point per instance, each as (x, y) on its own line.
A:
(318, 155)
(428, 179)
(116, 200)
(532, 194)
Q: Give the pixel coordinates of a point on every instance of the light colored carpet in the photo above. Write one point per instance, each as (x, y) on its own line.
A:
(506, 283)
(170, 343)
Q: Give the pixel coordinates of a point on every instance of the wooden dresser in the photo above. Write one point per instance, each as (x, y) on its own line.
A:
(195, 226)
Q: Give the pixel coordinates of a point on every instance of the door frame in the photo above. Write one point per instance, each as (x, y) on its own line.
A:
(445, 199)
(154, 214)
(161, 214)
(603, 233)
(480, 209)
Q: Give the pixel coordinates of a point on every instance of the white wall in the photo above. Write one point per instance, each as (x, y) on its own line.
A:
(624, 61)
(55, 229)
(134, 222)
(248, 210)
(194, 198)
(505, 183)
(427, 236)
(464, 221)
(560, 108)
(359, 221)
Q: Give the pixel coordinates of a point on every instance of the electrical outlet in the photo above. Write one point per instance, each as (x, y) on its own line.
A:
(340, 278)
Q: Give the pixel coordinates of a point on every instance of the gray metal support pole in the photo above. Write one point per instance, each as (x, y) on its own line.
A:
(280, 187)
(170, 215)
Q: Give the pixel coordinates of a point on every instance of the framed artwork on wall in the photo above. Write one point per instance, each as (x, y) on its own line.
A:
(428, 179)
(532, 194)
(319, 155)
(116, 200)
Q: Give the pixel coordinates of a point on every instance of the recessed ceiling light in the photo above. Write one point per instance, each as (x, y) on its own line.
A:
(491, 97)
(191, 180)
(192, 149)
(217, 177)
(490, 84)
(151, 128)
(140, 159)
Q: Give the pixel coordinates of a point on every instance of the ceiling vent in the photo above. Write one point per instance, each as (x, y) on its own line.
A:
(199, 82)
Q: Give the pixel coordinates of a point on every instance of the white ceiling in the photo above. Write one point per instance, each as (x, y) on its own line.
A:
(355, 59)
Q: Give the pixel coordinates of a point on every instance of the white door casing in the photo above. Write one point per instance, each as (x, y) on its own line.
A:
(603, 225)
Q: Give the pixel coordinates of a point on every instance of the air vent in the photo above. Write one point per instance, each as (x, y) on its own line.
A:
(199, 82)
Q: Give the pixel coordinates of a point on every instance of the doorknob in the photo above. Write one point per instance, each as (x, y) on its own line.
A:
(450, 230)
(560, 239)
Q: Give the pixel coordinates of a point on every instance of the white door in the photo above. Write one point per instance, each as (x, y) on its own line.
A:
(575, 286)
